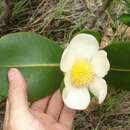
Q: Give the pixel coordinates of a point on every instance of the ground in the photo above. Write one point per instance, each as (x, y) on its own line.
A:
(60, 20)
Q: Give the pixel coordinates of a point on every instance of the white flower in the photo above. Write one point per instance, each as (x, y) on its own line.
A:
(84, 66)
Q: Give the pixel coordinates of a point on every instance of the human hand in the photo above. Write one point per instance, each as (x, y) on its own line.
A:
(45, 114)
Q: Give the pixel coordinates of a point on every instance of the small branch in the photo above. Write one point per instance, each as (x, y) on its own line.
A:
(7, 9)
(106, 4)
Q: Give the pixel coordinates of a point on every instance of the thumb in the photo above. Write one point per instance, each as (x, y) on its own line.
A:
(17, 91)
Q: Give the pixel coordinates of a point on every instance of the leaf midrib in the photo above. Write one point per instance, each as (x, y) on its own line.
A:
(30, 65)
(52, 65)
(120, 69)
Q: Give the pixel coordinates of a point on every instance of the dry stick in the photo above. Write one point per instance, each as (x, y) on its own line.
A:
(7, 9)
(106, 4)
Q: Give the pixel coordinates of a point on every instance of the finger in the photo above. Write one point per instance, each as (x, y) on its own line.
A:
(55, 105)
(67, 117)
(17, 91)
(41, 104)
(6, 118)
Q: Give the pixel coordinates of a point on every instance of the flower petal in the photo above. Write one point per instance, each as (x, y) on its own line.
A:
(67, 60)
(84, 45)
(100, 63)
(81, 46)
(99, 89)
(74, 98)
(67, 80)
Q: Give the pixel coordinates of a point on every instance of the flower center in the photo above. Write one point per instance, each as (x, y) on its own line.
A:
(81, 73)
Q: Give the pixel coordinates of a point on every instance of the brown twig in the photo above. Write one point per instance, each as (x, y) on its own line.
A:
(7, 9)
(106, 4)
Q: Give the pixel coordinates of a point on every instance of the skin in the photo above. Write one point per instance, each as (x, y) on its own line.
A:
(48, 113)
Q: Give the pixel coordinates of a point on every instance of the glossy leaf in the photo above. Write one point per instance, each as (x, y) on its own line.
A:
(38, 59)
(125, 18)
(119, 57)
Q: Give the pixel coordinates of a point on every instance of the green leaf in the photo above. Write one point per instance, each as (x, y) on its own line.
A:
(2, 98)
(126, 3)
(125, 18)
(119, 57)
(96, 34)
(38, 59)
(62, 85)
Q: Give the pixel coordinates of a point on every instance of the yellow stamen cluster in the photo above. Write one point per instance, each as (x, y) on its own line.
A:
(81, 73)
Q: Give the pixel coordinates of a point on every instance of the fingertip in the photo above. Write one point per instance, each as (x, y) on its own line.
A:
(16, 78)
(69, 111)
(12, 73)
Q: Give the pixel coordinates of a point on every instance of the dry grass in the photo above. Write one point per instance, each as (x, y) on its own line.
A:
(60, 20)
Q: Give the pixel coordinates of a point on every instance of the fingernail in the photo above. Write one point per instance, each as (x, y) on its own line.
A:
(12, 74)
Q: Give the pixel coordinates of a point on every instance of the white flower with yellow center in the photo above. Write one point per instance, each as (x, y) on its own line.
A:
(84, 66)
